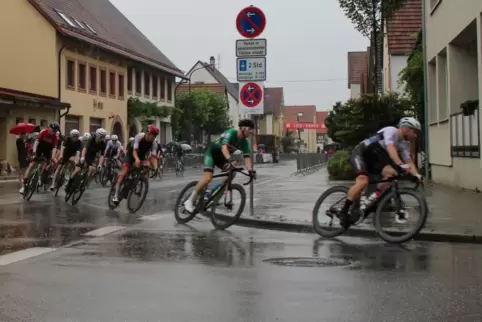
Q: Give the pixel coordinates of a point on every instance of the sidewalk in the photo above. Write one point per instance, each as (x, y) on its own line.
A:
(287, 204)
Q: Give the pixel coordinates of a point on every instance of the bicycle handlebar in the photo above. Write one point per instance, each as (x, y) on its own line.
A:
(241, 170)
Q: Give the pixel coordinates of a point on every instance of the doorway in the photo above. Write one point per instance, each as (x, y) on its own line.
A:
(117, 130)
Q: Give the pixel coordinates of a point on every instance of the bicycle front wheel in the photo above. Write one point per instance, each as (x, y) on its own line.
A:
(143, 183)
(32, 185)
(399, 236)
(221, 221)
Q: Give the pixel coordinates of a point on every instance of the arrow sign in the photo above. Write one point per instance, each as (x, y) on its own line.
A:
(250, 22)
(250, 88)
(251, 101)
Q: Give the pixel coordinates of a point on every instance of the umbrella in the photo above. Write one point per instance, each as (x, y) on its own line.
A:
(186, 146)
(22, 128)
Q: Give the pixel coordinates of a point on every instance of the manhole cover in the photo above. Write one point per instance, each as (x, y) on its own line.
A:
(308, 262)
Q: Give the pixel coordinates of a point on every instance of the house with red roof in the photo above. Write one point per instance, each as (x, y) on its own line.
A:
(401, 33)
(358, 72)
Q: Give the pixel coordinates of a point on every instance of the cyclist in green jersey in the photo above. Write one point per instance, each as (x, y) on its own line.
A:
(219, 153)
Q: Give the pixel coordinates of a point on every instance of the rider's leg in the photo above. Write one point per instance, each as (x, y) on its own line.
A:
(56, 173)
(120, 179)
(206, 179)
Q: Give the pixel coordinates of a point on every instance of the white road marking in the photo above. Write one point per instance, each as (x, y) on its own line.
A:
(24, 254)
(103, 231)
(156, 216)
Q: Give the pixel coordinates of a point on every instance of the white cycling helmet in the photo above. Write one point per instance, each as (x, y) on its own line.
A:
(114, 137)
(87, 135)
(101, 132)
(107, 137)
(411, 123)
(75, 133)
(131, 139)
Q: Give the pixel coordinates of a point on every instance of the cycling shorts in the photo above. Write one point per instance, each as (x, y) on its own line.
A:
(370, 159)
(213, 158)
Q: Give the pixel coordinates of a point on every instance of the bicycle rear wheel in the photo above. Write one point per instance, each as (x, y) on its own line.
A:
(59, 181)
(80, 183)
(398, 236)
(179, 206)
(220, 221)
(144, 188)
(326, 229)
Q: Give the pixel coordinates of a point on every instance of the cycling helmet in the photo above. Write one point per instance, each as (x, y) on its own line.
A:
(411, 123)
(87, 135)
(114, 137)
(131, 139)
(101, 132)
(107, 137)
(246, 123)
(54, 126)
(152, 129)
(74, 133)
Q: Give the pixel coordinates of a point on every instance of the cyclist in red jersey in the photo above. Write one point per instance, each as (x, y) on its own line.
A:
(44, 146)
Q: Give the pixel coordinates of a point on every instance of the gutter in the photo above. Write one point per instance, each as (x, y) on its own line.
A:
(59, 85)
(428, 173)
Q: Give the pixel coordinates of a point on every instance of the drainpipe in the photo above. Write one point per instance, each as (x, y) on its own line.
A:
(59, 88)
(427, 173)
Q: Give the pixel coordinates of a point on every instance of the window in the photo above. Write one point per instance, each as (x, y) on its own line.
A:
(95, 123)
(19, 120)
(121, 85)
(434, 4)
(129, 80)
(138, 82)
(32, 121)
(112, 84)
(72, 122)
(162, 80)
(103, 81)
(65, 18)
(44, 123)
(90, 28)
(70, 73)
(82, 76)
(147, 84)
(81, 25)
(155, 91)
(93, 79)
(169, 89)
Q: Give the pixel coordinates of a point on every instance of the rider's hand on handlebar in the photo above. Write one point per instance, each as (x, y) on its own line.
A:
(252, 173)
(420, 178)
(227, 166)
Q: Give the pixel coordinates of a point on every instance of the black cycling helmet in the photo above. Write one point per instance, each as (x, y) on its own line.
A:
(246, 123)
(55, 126)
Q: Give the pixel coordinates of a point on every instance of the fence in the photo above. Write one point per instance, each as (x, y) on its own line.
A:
(307, 163)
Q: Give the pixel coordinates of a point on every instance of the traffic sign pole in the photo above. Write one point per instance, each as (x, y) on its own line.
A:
(251, 68)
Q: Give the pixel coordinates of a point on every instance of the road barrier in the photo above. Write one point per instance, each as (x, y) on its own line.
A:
(307, 163)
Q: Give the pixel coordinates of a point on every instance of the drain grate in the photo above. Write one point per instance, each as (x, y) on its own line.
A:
(308, 262)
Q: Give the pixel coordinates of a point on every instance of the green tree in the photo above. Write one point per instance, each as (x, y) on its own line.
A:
(287, 141)
(368, 17)
(353, 121)
(200, 113)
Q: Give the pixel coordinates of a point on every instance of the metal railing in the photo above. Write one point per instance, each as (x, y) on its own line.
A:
(307, 163)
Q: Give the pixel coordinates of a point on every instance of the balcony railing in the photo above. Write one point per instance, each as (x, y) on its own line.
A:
(465, 135)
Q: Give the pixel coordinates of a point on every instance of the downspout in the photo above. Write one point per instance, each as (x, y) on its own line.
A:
(428, 173)
(59, 88)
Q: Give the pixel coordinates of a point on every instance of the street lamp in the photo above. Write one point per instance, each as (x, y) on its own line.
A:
(300, 114)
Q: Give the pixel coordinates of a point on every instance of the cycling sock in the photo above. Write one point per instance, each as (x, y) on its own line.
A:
(193, 196)
(346, 206)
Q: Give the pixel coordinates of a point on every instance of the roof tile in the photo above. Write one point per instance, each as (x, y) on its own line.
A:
(403, 27)
(309, 113)
(111, 27)
(273, 100)
(320, 119)
(357, 61)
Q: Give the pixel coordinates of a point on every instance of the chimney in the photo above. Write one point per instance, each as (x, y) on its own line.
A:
(212, 62)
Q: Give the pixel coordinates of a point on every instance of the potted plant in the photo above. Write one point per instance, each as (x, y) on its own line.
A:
(468, 107)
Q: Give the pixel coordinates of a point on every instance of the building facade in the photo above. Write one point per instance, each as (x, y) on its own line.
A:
(454, 74)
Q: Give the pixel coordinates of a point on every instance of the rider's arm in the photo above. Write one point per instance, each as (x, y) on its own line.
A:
(119, 150)
(225, 150)
(153, 155)
(107, 147)
(102, 156)
(86, 146)
(246, 149)
(389, 137)
(405, 153)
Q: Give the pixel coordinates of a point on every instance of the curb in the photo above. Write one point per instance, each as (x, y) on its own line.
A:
(298, 227)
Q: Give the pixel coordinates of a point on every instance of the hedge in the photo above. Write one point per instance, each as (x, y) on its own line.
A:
(339, 166)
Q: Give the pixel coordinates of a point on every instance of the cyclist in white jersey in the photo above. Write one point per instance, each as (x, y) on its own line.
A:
(114, 149)
(382, 154)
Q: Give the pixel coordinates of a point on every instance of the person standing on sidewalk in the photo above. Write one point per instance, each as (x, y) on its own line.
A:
(21, 156)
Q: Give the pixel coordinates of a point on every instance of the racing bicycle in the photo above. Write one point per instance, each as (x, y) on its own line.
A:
(78, 186)
(389, 200)
(62, 175)
(33, 179)
(221, 196)
(135, 183)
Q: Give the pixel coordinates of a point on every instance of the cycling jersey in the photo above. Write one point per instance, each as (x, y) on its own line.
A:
(143, 148)
(371, 154)
(113, 148)
(213, 156)
(46, 143)
(71, 147)
(93, 147)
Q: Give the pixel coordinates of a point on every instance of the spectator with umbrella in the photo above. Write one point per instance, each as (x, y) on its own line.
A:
(21, 130)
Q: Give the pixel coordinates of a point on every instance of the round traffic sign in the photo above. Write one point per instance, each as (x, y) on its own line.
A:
(251, 95)
(250, 22)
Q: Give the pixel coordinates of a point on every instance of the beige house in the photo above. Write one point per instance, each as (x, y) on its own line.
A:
(83, 53)
(453, 56)
(302, 122)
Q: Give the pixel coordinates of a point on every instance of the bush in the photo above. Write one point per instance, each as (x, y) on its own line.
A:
(339, 167)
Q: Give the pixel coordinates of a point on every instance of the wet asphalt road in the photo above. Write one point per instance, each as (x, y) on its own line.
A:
(98, 265)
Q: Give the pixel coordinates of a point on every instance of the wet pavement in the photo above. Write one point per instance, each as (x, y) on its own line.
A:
(160, 271)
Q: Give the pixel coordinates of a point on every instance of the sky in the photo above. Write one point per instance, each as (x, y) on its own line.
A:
(307, 41)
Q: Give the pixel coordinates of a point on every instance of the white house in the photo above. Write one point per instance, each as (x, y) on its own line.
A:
(454, 71)
(207, 73)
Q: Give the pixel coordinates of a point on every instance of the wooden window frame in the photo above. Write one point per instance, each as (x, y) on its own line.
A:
(83, 90)
(147, 85)
(94, 92)
(113, 96)
(103, 69)
(155, 90)
(130, 71)
(72, 60)
(162, 88)
(138, 93)
(169, 91)
(119, 96)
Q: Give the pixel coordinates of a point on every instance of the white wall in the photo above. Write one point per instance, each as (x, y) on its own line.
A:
(269, 123)
(233, 110)
(202, 75)
(397, 63)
